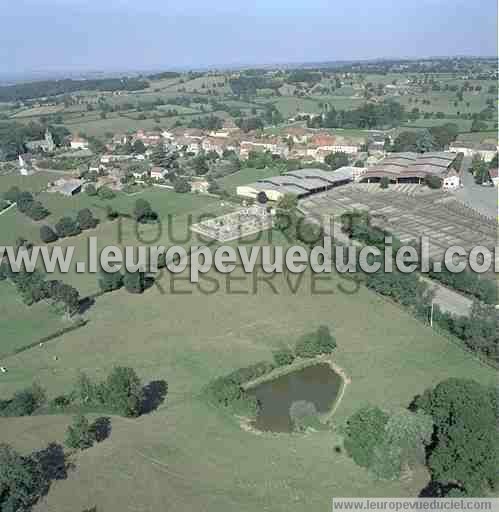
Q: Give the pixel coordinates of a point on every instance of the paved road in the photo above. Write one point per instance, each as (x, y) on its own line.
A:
(482, 199)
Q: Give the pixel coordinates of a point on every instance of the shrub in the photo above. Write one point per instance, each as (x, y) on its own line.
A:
(67, 227)
(23, 403)
(91, 190)
(48, 235)
(123, 391)
(283, 357)
(79, 435)
(364, 432)
(105, 193)
(86, 219)
(134, 282)
(109, 282)
(316, 343)
(384, 182)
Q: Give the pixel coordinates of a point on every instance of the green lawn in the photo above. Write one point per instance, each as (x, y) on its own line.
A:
(21, 325)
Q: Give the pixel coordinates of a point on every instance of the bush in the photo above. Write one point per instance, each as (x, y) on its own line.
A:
(109, 282)
(23, 403)
(227, 391)
(134, 282)
(316, 343)
(433, 182)
(86, 219)
(48, 235)
(67, 227)
(384, 182)
(79, 435)
(364, 432)
(22, 480)
(91, 190)
(105, 193)
(283, 357)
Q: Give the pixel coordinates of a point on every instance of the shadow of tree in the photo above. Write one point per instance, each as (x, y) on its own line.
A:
(85, 304)
(54, 465)
(101, 428)
(154, 395)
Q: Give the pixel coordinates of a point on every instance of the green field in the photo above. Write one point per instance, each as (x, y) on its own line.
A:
(246, 176)
(189, 456)
(21, 325)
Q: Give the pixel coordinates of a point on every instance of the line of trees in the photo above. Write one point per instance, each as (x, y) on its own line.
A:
(26, 203)
(369, 115)
(33, 287)
(42, 89)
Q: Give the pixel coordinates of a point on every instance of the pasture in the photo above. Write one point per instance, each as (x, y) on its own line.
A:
(21, 325)
(190, 456)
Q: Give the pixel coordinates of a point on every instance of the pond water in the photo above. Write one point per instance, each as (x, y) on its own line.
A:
(318, 384)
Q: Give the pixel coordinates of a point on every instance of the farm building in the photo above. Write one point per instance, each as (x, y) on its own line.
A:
(302, 183)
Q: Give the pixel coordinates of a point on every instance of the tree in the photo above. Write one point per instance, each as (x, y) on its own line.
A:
(316, 343)
(261, 198)
(365, 430)
(139, 147)
(123, 391)
(407, 434)
(105, 192)
(424, 141)
(143, 213)
(337, 160)
(432, 181)
(182, 185)
(465, 447)
(159, 156)
(384, 182)
(200, 165)
(134, 282)
(21, 480)
(47, 234)
(91, 190)
(110, 281)
(67, 227)
(79, 434)
(86, 219)
(283, 357)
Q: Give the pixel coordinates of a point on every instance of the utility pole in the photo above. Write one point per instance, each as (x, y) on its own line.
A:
(431, 314)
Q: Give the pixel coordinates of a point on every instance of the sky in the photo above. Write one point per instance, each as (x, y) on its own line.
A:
(54, 35)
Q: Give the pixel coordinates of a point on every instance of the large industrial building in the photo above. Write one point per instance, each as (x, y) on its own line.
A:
(302, 183)
(412, 167)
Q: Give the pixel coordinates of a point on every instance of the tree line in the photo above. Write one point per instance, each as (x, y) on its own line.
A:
(42, 89)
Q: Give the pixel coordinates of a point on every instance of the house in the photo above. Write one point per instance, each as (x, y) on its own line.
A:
(158, 173)
(149, 138)
(66, 187)
(297, 134)
(78, 142)
(200, 186)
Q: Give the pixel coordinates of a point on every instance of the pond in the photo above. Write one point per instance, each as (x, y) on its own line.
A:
(318, 384)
